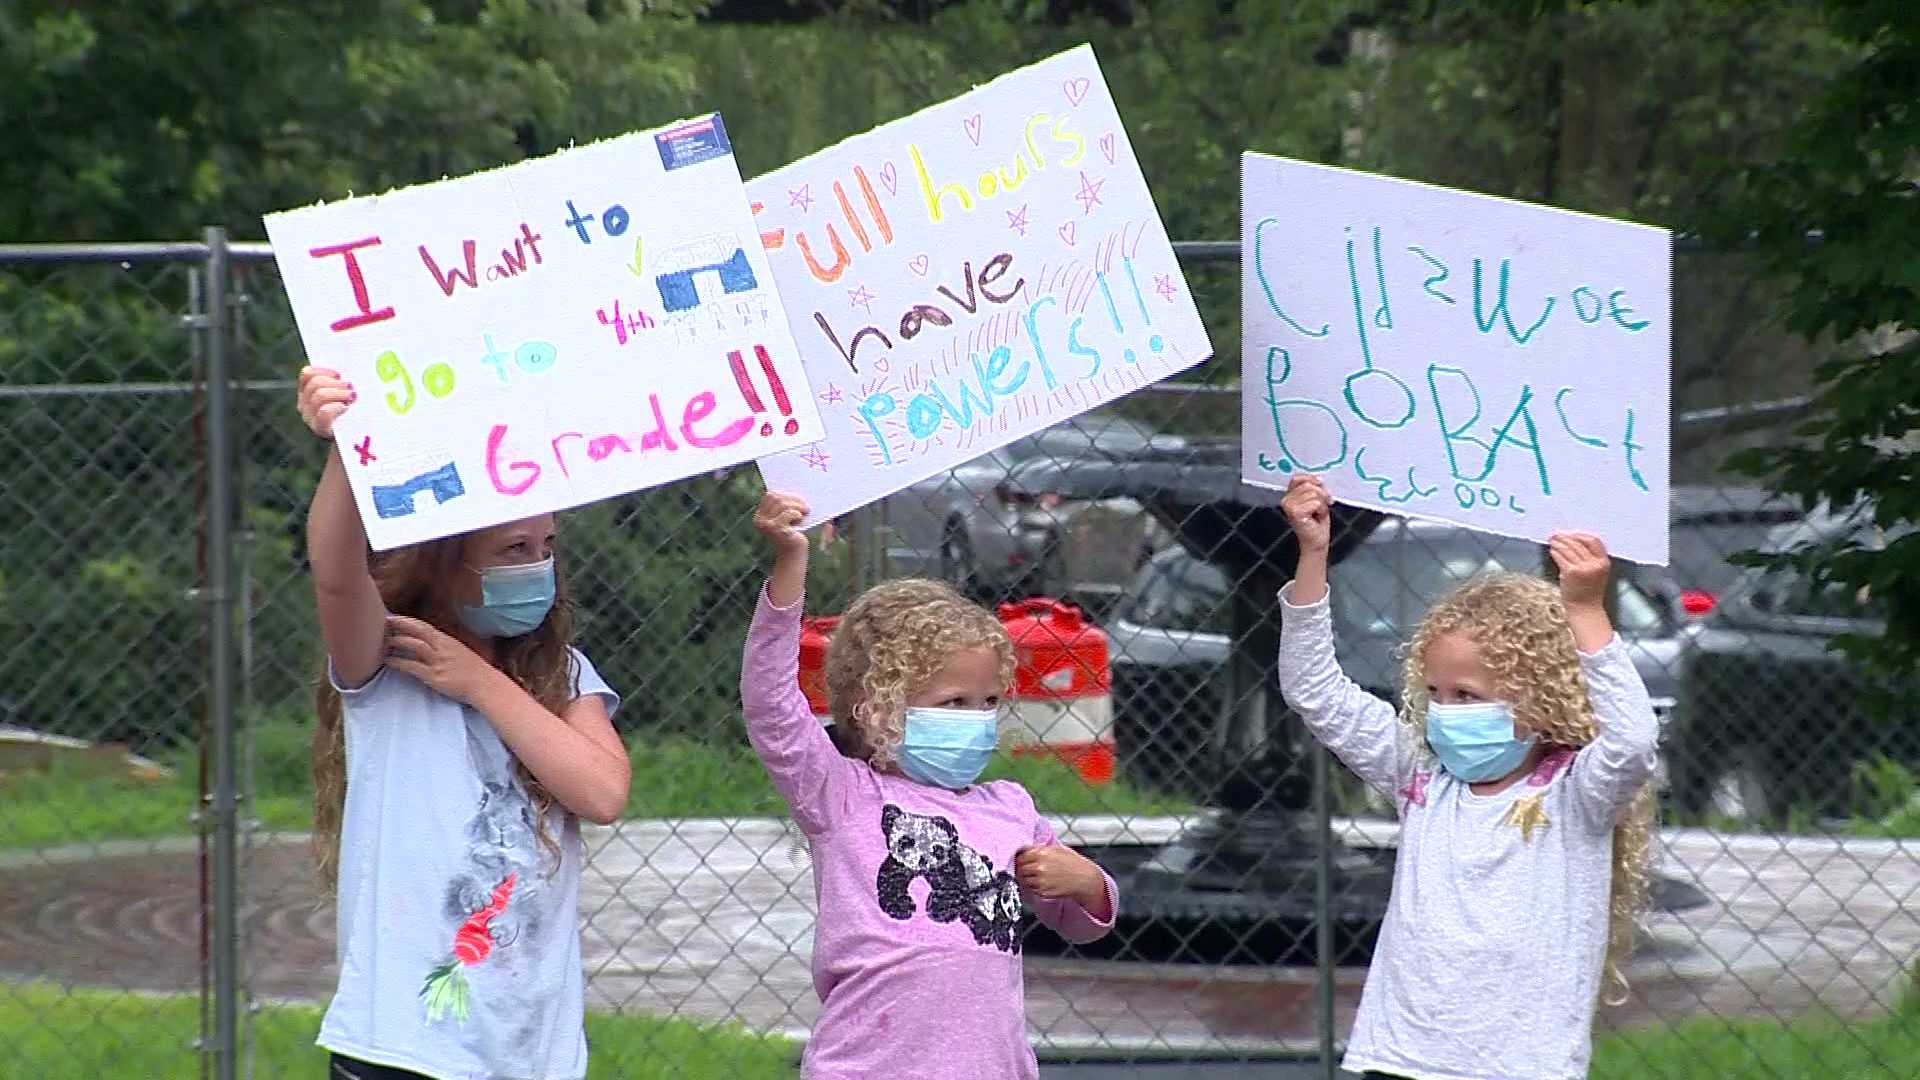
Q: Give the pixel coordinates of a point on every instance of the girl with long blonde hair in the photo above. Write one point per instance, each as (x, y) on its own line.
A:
(1521, 762)
(459, 740)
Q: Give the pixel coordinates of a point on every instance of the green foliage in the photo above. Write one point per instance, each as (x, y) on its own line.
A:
(707, 774)
(61, 1033)
(1849, 171)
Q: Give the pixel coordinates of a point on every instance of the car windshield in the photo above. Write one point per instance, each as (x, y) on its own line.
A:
(1700, 548)
(1180, 592)
(1777, 592)
(1387, 584)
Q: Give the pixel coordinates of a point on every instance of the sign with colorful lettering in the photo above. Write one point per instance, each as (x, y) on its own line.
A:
(547, 334)
(1448, 355)
(966, 276)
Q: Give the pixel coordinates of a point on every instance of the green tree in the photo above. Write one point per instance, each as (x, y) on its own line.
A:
(1849, 172)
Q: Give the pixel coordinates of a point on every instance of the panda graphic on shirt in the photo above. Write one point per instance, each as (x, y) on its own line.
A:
(964, 886)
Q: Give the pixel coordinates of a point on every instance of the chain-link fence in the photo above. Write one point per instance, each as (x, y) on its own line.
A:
(159, 915)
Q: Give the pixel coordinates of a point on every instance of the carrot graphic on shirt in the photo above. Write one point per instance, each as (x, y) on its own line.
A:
(446, 987)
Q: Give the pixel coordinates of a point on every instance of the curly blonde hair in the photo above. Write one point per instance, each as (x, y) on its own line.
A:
(894, 638)
(413, 581)
(1520, 627)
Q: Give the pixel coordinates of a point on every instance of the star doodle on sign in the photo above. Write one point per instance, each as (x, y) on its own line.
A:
(815, 458)
(833, 395)
(1089, 193)
(861, 297)
(1415, 793)
(801, 197)
(1527, 814)
(1163, 284)
(1017, 220)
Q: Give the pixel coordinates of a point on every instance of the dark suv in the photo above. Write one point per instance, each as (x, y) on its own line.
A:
(1770, 718)
(1171, 640)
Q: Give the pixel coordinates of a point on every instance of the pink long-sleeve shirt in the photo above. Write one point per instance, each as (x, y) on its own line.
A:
(916, 952)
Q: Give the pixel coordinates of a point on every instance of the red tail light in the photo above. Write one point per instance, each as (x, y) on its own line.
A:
(1697, 602)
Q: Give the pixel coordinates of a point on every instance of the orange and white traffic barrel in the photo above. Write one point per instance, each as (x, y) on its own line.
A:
(815, 635)
(1062, 700)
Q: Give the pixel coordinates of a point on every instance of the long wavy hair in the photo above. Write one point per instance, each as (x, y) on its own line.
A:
(894, 638)
(1520, 627)
(415, 581)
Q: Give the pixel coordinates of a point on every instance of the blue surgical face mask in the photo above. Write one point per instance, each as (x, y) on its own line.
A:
(948, 748)
(1475, 742)
(514, 600)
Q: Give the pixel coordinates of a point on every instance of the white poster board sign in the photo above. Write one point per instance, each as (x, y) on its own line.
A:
(1442, 354)
(546, 334)
(969, 275)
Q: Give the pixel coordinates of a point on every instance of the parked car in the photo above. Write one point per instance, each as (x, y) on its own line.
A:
(1710, 525)
(1172, 638)
(970, 526)
(1771, 719)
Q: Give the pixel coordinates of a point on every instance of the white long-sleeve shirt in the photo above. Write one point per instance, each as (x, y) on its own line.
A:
(1489, 961)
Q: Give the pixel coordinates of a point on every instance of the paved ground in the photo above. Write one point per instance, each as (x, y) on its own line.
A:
(712, 920)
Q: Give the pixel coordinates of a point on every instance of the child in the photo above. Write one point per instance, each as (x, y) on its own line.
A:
(460, 738)
(1521, 765)
(916, 951)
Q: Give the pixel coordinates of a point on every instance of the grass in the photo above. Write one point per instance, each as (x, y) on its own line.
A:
(56, 1034)
(72, 802)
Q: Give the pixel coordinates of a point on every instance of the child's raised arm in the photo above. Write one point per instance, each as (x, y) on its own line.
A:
(806, 768)
(1361, 730)
(352, 615)
(1621, 759)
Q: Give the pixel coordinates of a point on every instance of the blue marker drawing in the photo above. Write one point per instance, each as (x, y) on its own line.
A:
(1428, 285)
(1033, 335)
(1580, 309)
(678, 291)
(443, 483)
(1500, 311)
(1366, 351)
(1560, 407)
(1290, 460)
(1260, 273)
(1382, 315)
(1632, 469)
(1502, 436)
(1619, 313)
(1414, 489)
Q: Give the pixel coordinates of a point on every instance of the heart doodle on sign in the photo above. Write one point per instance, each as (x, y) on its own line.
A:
(918, 265)
(882, 366)
(972, 124)
(1066, 232)
(1076, 90)
(890, 178)
(1106, 146)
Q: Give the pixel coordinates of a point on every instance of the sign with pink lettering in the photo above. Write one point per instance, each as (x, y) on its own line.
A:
(966, 276)
(548, 334)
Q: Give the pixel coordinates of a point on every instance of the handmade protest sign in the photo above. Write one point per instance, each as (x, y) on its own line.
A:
(968, 275)
(1443, 354)
(546, 334)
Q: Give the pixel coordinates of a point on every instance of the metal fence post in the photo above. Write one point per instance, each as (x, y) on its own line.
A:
(220, 662)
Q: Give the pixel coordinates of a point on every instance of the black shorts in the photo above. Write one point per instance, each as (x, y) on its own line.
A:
(346, 1068)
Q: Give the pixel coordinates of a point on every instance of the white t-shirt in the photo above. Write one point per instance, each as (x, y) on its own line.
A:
(448, 901)
(1489, 961)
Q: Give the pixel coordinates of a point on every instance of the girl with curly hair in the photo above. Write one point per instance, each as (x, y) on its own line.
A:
(920, 873)
(1521, 762)
(460, 738)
